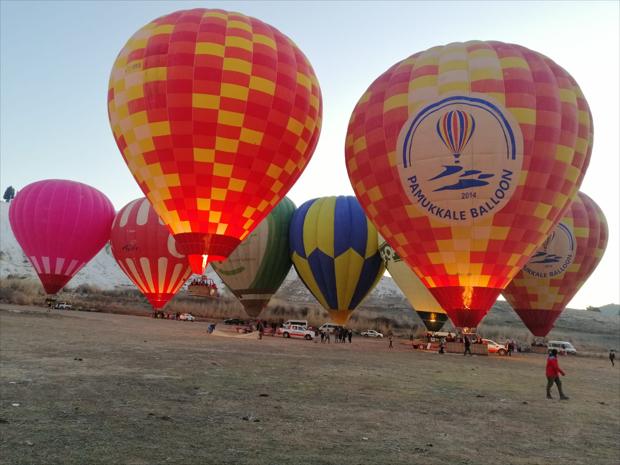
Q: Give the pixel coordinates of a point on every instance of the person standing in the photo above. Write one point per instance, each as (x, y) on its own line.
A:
(442, 345)
(612, 356)
(350, 335)
(391, 346)
(553, 372)
(467, 343)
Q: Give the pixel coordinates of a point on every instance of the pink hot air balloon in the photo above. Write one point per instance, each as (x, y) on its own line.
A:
(146, 252)
(60, 226)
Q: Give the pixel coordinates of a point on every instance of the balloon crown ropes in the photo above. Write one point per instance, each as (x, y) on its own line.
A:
(216, 114)
(465, 157)
(60, 225)
(334, 249)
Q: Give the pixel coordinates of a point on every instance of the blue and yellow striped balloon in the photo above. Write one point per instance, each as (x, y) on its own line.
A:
(335, 251)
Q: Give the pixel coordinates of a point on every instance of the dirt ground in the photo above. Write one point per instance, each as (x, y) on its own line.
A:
(92, 388)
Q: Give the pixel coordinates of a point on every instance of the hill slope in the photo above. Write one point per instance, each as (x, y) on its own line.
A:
(386, 301)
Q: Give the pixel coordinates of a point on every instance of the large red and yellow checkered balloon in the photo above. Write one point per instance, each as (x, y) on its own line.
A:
(465, 156)
(558, 269)
(216, 114)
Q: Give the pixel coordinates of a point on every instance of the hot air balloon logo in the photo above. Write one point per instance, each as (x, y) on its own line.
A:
(555, 255)
(476, 175)
(455, 129)
(540, 292)
(467, 244)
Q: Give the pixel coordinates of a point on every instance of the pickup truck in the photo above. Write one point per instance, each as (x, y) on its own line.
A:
(296, 331)
(62, 306)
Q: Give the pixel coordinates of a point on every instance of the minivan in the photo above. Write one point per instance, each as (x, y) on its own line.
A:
(562, 347)
(303, 323)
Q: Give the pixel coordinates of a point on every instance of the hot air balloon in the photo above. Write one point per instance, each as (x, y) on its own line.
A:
(146, 252)
(334, 249)
(558, 269)
(420, 298)
(60, 225)
(466, 225)
(256, 268)
(216, 114)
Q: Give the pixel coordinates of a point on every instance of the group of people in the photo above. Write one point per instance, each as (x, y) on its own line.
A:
(166, 315)
(340, 335)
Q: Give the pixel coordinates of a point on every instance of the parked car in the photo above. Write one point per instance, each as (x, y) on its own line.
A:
(63, 306)
(187, 317)
(563, 347)
(234, 321)
(494, 347)
(296, 331)
(371, 333)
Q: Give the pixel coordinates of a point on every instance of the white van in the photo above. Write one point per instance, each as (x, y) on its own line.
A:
(329, 327)
(288, 323)
(562, 347)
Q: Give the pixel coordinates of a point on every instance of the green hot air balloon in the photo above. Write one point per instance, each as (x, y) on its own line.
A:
(256, 268)
(420, 298)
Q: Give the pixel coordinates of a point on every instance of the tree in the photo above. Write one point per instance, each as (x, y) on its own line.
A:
(9, 194)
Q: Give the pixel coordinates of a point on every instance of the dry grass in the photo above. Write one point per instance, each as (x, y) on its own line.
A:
(95, 388)
(588, 331)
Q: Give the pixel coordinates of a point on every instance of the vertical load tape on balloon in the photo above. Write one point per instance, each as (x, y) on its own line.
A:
(147, 253)
(257, 267)
(555, 273)
(335, 252)
(60, 225)
(465, 156)
(216, 115)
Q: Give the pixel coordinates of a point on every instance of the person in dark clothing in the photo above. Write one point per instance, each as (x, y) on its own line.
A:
(350, 335)
(442, 345)
(467, 343)
(553, 372)
(612, 357)
(391, 345)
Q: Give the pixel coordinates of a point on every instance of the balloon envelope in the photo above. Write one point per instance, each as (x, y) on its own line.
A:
(256, 268)
(334, 249)
(60, 225)
(420, 298)
(216, 114)
(146, 252)
(558, 269)
(465, 157)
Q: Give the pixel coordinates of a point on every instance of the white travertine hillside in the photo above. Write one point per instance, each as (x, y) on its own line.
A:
(103, 272)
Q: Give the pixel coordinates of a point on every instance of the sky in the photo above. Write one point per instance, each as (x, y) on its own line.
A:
(56, 57)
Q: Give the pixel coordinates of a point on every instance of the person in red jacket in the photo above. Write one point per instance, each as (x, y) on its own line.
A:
(553, 374)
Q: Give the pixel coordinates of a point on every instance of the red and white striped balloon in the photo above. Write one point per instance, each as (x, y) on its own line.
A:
(146, 251)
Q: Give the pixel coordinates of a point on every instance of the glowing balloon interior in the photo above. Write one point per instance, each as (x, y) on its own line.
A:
(420, 298)
(465, 157)
(216, 114)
